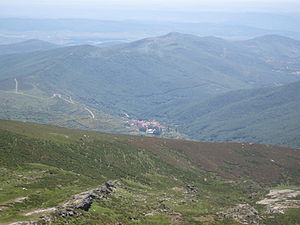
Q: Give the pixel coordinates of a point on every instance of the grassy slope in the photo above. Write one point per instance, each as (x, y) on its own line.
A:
(33, 106)
(53, 163)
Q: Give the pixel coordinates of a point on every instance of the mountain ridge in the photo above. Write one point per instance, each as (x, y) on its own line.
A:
(143, 79)
(27, 46)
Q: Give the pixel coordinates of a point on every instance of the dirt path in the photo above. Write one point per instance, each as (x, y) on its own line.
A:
(70, 101)
(91, 113)
(53, 209)
(4, 205)
(74, 103)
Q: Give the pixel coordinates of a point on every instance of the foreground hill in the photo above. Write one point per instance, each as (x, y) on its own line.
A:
(162, 181)
(268, 115)
(26, 46)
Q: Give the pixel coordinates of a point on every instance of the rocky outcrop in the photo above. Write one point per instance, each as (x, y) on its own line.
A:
(242, 213)
(278, 201)
(280, 207)
(84, 200)
(81, 201)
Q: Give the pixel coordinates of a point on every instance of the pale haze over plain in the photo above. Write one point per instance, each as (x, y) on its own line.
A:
(123, 9)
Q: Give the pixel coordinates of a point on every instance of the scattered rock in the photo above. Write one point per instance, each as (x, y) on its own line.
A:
(204, 219)
(19, 200)
(175, 218)
(2, 208)
(132, 218)
(25, 223)
(242, 213)
(280, 207)
(192, 188)
(53, 209)
(16, 200)
(283, 194)
(150, 214)
(178, 189)
(182, 202)
(230, 182)
(253, 195)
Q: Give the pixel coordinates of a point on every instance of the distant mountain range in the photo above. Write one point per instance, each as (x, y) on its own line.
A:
(231, 25)
(167, 78)
(26, 46)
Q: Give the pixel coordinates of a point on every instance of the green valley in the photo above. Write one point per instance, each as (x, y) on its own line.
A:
(162, 79)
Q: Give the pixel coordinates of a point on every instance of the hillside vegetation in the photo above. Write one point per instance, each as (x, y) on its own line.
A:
(163, 181)
(268, 115)
(164, 78)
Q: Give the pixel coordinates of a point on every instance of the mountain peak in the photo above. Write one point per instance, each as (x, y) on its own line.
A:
(173, 34)
(178, 35)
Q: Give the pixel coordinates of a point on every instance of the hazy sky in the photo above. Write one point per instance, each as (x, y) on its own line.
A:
(142, 2)
(102, 9)
(169, 3)
(138, 1)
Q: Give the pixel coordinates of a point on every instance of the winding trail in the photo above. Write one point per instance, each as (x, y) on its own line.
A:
(91, 113)
(70, 100)
(74, 103)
